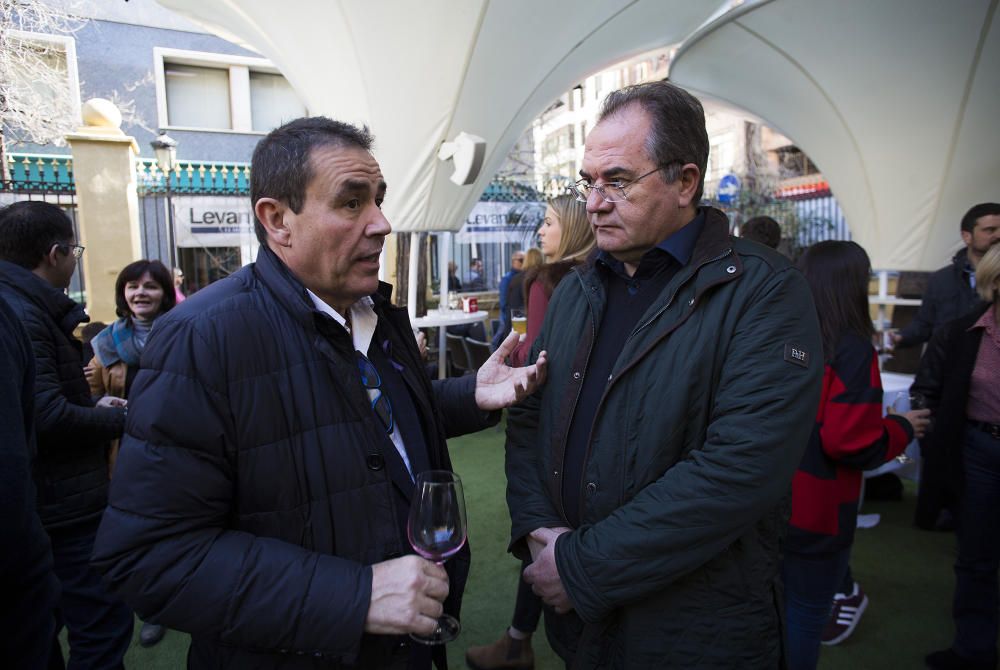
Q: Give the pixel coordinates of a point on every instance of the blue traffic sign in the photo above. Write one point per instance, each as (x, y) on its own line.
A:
(729, 189)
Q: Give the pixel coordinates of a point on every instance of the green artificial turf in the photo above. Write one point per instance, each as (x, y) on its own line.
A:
(905, 572)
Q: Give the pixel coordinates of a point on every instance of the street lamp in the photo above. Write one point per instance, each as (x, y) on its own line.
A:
(165, 150)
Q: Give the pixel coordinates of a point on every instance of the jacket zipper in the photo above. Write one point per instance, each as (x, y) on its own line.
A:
(576, 399)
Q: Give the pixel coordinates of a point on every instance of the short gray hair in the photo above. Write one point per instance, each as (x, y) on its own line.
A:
(678, 133)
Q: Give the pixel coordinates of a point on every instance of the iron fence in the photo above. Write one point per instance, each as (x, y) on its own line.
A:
(47, 179)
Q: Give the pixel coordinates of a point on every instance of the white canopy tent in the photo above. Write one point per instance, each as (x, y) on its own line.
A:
(419, 73)
(896, 102)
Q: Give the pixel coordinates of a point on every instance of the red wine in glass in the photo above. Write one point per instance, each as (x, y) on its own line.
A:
(437, 530)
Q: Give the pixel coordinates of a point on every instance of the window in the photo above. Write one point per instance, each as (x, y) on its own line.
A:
(559, 140)
(793, 162)
(204, 91)
(272, 101)
(197, 97)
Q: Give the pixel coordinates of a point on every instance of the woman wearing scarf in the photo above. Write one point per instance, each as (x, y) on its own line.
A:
(143, 291)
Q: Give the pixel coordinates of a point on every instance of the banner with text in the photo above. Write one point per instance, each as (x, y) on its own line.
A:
(502, 222)
(213, 221)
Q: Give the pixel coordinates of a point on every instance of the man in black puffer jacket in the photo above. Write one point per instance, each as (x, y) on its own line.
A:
(37, 259)
(262, 487)
(30, 588)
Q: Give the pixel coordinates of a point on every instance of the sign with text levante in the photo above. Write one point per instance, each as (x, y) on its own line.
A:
(502, 222)
(212, 220)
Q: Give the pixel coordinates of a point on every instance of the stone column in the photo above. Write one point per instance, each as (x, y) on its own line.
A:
(107, 203)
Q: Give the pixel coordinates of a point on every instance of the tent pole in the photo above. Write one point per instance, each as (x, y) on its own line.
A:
(444, 257)
(414, 271)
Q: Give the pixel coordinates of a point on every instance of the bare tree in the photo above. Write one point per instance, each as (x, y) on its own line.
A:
(126, 104)
(35, 103)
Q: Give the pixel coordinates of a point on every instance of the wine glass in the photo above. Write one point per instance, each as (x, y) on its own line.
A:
(437, 530)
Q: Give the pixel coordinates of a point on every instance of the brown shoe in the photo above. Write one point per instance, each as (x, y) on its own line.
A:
(504, 653)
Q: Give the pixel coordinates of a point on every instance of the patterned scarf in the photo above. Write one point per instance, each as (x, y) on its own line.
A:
(116, 343)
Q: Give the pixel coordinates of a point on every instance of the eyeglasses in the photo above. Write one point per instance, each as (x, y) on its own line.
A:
(74, 249)
(583, 188)
(371, 380)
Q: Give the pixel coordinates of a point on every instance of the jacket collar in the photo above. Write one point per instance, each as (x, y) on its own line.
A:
(53, 301)
(962, 267)
(292, 293)
(713, 240)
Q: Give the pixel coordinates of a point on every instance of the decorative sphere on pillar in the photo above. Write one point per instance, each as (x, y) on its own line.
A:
(101, 113)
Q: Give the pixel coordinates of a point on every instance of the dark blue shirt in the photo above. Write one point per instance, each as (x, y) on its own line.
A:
(628, 298)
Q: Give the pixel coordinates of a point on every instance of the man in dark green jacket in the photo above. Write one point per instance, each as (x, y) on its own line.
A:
(650, 479)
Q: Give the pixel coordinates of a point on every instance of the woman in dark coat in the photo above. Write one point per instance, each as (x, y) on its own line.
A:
(566, 239)
(958, 378)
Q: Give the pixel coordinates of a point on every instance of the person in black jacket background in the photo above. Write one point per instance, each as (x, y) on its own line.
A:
(38, 255)
(276, 425)
(951, 291)
(30, 588)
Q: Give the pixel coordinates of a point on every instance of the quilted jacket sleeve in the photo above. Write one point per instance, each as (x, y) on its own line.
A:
(165, 543)
(761, 417)
(55, 417)
(456, 400)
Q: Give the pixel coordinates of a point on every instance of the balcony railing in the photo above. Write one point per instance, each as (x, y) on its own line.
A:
(194, 178)
(53, 173)
(39, 173)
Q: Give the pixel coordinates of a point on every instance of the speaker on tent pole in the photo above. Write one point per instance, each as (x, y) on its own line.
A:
(467, 152)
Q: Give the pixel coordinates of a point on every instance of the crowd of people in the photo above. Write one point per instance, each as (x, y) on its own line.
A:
(689, 415)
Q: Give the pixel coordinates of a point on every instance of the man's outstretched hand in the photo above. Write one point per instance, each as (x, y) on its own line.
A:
(498, 385)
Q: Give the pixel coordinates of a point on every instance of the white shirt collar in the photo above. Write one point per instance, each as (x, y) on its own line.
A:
(363, 320)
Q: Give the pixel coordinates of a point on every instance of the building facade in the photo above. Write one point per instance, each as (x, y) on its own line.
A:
(214, 98)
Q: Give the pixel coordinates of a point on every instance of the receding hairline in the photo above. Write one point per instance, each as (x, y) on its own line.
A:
(648, 144)
(350, 185)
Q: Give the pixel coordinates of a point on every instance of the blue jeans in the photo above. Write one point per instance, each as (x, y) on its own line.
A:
(810, 584)
(976, 588)
(99, 625)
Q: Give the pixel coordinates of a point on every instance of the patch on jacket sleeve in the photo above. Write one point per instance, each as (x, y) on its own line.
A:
(797, 355)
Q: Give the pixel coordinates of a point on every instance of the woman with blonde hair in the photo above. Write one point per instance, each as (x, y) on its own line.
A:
(958, 381)
(566, 239)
